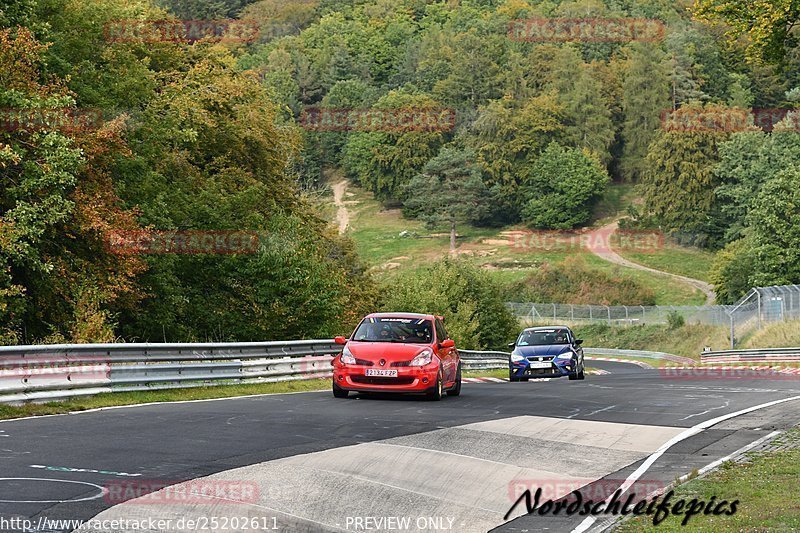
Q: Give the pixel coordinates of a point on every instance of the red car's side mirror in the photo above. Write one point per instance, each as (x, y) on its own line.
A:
(340, 340)
(447, 343)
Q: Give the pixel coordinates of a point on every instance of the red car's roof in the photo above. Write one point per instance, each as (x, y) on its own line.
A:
(399, 315)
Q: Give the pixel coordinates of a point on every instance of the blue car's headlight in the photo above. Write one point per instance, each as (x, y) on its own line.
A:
(566, 356)
(516, 358)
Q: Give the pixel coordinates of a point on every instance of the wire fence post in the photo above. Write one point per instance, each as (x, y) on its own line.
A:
(758, 295)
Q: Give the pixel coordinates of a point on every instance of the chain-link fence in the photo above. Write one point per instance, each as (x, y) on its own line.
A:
(759, 306)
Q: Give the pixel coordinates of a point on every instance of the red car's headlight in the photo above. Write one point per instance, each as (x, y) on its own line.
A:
(423, 358)
(347, 358)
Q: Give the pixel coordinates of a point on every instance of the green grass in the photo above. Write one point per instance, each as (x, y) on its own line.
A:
(667, 291)
(496, 373)
(170, 395)
(766, 487)
(688, 340)
(689, 262)
(376, 232)
(777, 335)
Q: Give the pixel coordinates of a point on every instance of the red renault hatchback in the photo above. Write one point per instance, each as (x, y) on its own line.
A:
(398, 352)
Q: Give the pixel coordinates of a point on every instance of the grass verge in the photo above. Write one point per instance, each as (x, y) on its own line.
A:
(766, 487)
(170, 395)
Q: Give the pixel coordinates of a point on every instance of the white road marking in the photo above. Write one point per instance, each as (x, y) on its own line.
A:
(694, 430)
(94, 497)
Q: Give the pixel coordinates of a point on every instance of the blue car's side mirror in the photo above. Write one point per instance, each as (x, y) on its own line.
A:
(578, 342)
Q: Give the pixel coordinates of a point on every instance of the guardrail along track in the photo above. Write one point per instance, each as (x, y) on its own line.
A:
(757, 355)
(59, 371)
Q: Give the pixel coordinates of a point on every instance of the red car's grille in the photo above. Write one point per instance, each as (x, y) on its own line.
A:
(364, 380)
(364, 362)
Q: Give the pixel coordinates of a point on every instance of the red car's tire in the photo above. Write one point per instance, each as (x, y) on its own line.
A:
(340, 393)
(436, 392)
(456, 390)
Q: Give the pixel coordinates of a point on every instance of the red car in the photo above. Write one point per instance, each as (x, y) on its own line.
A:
(398, 352)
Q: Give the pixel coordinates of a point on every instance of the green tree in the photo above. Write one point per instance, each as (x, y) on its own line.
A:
(384, 161)
(769, 25)
(679, 181)
(475, 315)
(448, 191)
(560, 188)
(507, 137)
(774, 223)
(644, 99)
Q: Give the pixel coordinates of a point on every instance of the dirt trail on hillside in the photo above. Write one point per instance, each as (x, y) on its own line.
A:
(342, 214)
(599, 245)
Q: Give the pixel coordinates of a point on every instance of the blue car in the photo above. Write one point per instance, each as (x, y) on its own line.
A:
(546, 352)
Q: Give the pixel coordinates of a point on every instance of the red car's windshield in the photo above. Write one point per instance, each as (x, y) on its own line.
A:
(390, 329)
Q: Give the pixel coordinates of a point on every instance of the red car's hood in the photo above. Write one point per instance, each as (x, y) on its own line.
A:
(392, 352)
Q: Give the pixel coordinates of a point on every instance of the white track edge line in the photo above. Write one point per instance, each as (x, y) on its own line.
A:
(694, 430)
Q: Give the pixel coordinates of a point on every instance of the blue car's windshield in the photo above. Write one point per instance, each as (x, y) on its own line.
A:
(542, 337)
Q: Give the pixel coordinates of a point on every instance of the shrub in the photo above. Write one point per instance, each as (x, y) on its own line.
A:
(675, 320)
(475, 314)
(573, 282)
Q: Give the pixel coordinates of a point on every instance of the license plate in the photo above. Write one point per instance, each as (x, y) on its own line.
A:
(539, 364)
(377, 372)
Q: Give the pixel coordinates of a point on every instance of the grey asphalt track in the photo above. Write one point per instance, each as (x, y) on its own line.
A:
(70, 457)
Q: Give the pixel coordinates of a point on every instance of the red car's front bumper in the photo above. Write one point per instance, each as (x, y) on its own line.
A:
(409, 378)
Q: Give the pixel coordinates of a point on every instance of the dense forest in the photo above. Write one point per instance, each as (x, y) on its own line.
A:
(208, 135)
(698, 115)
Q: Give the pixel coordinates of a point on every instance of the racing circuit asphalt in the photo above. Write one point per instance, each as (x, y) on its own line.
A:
(318, 460)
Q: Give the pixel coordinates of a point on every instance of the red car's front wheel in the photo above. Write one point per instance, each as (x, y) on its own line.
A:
(339, 393)
(437, 391)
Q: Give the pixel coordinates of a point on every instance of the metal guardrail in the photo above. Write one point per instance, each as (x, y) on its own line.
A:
(640, 353)
(475, 360)
(60, 371)
(756, 355)
(478, 360)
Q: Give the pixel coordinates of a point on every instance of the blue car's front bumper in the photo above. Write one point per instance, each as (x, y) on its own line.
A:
(558, 368)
